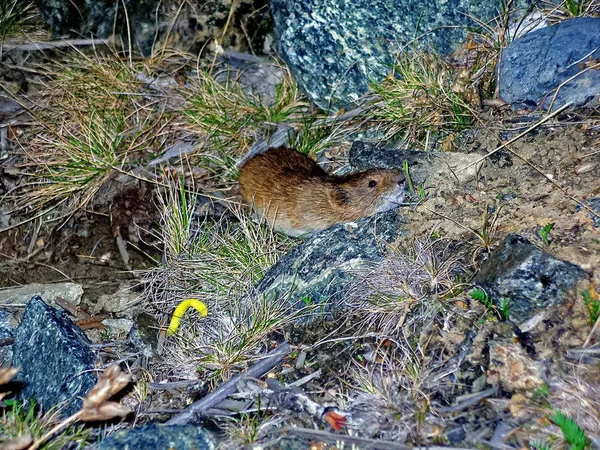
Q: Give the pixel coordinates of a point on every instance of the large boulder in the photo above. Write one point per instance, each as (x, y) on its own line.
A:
(559, 57)
(335, 48)
(322, 269)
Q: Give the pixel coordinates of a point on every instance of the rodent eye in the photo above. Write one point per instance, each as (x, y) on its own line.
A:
(372, 183)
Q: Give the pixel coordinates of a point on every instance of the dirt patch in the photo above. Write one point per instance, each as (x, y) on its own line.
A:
(518, 199)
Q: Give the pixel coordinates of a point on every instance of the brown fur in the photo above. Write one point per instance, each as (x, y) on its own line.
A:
(296, 196)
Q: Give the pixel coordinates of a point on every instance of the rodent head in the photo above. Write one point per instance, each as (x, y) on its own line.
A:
(369, 192)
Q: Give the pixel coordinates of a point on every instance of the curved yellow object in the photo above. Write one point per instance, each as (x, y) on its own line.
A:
(180, 312)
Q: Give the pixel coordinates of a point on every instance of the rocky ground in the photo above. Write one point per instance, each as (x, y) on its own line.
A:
(469, 317)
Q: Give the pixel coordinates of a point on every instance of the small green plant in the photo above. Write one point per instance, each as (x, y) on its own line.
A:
(504, 307)
(575, 8)
(544, 232)
(572, 432)
(481, 296)
(488, 229)
(307, 300)
(541, 392)
(592, 305)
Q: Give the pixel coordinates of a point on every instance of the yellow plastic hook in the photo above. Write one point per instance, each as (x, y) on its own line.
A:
(180, 312)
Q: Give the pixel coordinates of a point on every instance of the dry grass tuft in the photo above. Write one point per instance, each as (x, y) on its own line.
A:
(216, 262)
(408, 285)
(92, 125)
(233, 116)
(423, 95)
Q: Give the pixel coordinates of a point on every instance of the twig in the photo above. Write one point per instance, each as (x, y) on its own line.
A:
(33, 46)
(200, 407)
(469, 402)
(173, 385)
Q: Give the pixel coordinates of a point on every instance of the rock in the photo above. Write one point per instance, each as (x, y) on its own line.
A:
(512, 367)
(70, 292)
(336, 48)
(97, 18)
(160, 437)
(423, 166)
(528, 277)
(534, 66)
(258, 77)
(118, 326)
(6, 332)
(593, 203)
(121, 302)
(456, 435)
(138, 344)
(321, 269)
(56, 362)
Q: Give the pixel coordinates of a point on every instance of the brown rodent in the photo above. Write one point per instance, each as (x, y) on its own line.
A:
(296, 196)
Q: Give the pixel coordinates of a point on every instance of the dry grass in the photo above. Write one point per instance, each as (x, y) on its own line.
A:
(409, 285)
(92, 125)
(15, 18)
(217, 263)
(423, 95)
(232, 116)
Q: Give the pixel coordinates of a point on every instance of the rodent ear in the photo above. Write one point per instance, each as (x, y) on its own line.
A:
(338, 196)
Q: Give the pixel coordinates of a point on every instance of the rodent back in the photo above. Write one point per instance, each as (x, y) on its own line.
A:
(277, 176)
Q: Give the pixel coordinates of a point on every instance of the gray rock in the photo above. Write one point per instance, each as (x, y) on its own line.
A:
(334, 48)
(258, 77)
(160, 437)
(97, 17)
(423, 166)
(593, 203)
(512, 367)
(57, 365)
(191, 26)
(123, 302)
(528, 277)
(6, 332)
(321, 269)
(534, 66)
(71, 292)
